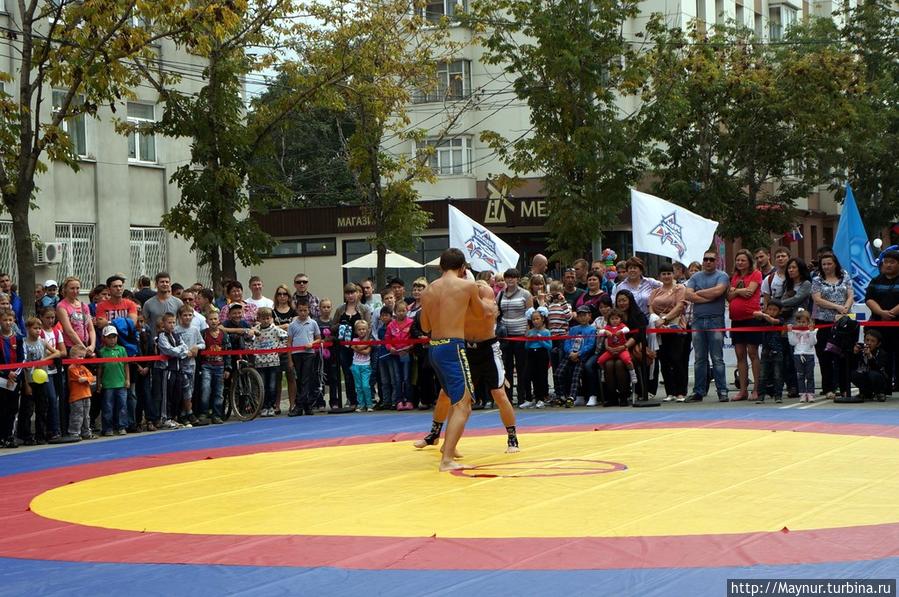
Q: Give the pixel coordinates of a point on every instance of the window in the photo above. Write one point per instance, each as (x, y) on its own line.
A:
(8, 251)
(77, 253)
(450, 156)
(780, 18)
(453, 83)
(74, 126)
(434, 10)
(141, 145)
(305, 248)
(148, 252)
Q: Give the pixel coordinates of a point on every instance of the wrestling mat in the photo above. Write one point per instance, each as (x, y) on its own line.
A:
(599, 501)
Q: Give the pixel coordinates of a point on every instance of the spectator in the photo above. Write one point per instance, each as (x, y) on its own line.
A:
(538, 347)
(882, 297)
(513, 302)
(706, 289)
(575, 352)
(773, 281)
(399, 290)
(328, 363)
(425, 381)
(269, 336)
(537, 288)
(256, 297)
(871, 374)
(192, 336)
(362, 367)
(642, 354)
(763, 261)
(283, 314)
(304, 335)
(14, 299)
(797, 290)
(35, 395)
(97, 295)
(770, 381)
(593, 295)
(234, 293)
(569, 288)
(559, 318)
(51, 333)
(113, 383)
(197, 320)
(167, 375)
(637, 283)
(206, 302)
(38, 295)
(161, 303)
(177, 289)
(301, 286)
(143, 290)
(50, 298)
(581, 268)
(345, 318)
(833, 297)
(666, 307)
(680, 272)
(744, 295)
(599, 267)
(539, 265)
(116, 305)
(75, 318)
(80, 379)
(214, 370)
(694, 267)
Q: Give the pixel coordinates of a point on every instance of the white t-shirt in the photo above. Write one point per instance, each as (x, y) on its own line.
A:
(53, 338)
(773, 286)
(262, 302)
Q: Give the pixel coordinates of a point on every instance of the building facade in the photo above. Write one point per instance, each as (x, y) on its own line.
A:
(106, 216)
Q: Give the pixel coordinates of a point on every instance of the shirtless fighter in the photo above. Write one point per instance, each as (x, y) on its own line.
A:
(444, 307)
(486, 362)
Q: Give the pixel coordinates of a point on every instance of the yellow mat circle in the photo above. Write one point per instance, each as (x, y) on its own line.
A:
(677, 482)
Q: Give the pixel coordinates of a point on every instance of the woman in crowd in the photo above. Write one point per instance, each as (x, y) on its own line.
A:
(744, 295)
(75, 318)
(666, 304)
(423, 379)
(234, 294)
(797, 289)
(832, 296)
(593, 295)
(637, 284)
(538, 290)
(616, 372)
(513, 302)
(283, 314)
(345, 318)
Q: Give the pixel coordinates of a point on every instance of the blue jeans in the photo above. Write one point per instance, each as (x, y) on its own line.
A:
(115, 408)
(386, 365)
(362, 377)
(402, 386)
(270, 383)
(213, 387)
(708, 344)
(805, 373)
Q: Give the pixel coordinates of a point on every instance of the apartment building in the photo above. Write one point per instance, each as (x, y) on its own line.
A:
(105, 217)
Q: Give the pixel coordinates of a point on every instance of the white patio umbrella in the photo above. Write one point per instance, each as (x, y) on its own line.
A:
(393, 260)
(433, 263)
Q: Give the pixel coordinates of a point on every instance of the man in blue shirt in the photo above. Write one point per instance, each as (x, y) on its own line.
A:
(707, 289)
(14, 300)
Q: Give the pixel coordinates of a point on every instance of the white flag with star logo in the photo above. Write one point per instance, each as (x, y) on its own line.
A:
(663, 228)
(484, 250)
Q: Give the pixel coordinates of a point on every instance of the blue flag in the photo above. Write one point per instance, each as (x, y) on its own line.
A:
(853, 249)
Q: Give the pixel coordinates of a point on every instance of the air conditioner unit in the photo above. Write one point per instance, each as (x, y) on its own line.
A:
(48, 254)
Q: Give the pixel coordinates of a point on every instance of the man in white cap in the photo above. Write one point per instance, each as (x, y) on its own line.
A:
(51, 294)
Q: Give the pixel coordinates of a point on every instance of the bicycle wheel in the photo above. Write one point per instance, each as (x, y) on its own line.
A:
(247, 394)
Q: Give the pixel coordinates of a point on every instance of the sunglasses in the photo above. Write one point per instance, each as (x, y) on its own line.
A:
(709, 259)
(301, 281)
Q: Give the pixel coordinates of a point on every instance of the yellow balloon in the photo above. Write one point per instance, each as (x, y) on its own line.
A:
(39, 376)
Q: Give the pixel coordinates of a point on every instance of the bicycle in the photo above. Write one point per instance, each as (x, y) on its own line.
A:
(247, 393)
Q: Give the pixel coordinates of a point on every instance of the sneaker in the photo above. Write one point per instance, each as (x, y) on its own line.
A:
(569, 402)
(809, 397)
(295, 412)
(122, 432)
(760, 400)
(86, 436)
(264, 413)
(591, 401)
(359, 410)
(202, 421)
(170, 424)
(107, 433)
(488, 405)
(723, 398)
(693, 398)
(668, 398)
(369, 410)
(151, 426)
(539, 404)
(830, 395)
(778, 399)
(216, 421)
(527, 404)
(579, 401)
(192, 419)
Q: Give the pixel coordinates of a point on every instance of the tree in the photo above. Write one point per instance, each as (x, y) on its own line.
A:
(871, 144)
(86, 52)
(302, 162)
(391, 52)
(742, 128)
(571, 64)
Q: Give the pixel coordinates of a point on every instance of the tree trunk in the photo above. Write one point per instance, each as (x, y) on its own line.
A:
(229, 265)
(21, 231)
(215, 265)
(380, 276)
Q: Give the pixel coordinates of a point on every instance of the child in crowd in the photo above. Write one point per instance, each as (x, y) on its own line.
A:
(870, 375)
(576, 350)
(399, 333)
(192, 337)
(167, 382)
(382, 359)
(771, 376)
(146, 406)
(11, 351)
(114, 380)
(538, 348)
(558, 319)
(51, 333)
(214, 369)
(604, 306)
(327, 365)
(269, 336)
(305, 337)
(615, 336)
(362, 366)
(34, 393)
(80, 380)
(803, 336)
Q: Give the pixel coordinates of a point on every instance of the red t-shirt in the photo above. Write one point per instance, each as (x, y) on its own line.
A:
(742, 308)
(109, 311)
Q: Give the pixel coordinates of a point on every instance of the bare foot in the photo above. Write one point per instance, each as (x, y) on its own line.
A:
(450, 465)
(456, 456)
(423, 443)
(513, 450)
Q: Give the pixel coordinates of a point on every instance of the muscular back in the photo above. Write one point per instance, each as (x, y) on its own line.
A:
(482, 328)
(445, 304)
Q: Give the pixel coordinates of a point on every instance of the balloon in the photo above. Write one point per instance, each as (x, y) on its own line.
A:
(39, 376)
(877, 243)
